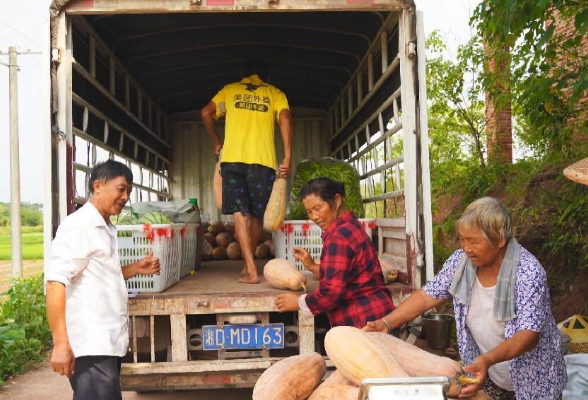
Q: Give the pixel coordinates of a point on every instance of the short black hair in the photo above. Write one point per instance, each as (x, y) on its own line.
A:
(108, 170)
(323, 187)
(256, 67)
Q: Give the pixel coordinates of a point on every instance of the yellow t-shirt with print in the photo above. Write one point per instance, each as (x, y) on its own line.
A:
(252, 108)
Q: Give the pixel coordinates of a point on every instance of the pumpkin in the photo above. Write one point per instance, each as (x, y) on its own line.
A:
(217, 185)
(210, 238)
(219, 253)
(234, 251)
(276, 206)
(262, 251)
(206, 251)
(335, 392)
(282, 274)
(216, 228)
(270, 245)
(390, 271)
(358, 356)
(417, 362)
(293, 378)
(223, 239)
(336, 378)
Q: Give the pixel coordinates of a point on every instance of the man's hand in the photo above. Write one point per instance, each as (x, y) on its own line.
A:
(287, 302)
(217, 148)
(376, 326)
(149, 265)
(63, 359)
(479, 370)
(285, 168)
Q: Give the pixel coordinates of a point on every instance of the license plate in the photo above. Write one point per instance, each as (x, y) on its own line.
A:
(225, 337)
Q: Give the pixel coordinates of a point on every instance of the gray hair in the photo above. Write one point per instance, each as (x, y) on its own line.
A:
(491, 217)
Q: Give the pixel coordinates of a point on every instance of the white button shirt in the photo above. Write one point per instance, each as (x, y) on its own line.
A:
(84, 257)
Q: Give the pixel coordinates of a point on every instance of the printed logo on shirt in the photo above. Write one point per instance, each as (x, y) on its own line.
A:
(251, 102)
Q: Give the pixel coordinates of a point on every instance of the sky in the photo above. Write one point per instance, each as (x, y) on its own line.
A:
(24, 24)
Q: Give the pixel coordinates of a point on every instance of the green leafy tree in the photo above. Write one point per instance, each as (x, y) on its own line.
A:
(31, 217)
(457, 124)
(549, 66)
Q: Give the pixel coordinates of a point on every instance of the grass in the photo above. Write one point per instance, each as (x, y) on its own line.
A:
(32, 244)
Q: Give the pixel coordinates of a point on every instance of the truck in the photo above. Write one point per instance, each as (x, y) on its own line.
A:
(127, 81)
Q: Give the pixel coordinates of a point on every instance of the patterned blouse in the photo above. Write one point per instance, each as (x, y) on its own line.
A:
(539, 373)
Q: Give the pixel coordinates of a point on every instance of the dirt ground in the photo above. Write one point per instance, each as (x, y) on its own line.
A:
(41, 383)
(29, 268)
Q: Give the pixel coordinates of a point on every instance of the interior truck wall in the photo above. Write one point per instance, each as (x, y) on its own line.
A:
(193, 158)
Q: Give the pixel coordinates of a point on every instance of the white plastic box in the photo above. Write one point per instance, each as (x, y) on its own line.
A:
(164, 241)
(189, 234)
(306, 234)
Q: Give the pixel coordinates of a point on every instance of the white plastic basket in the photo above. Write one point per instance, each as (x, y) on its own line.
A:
(306, 234)
(189, 235)
(165, 241)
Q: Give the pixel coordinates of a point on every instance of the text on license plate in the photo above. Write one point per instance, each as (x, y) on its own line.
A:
(268, 336)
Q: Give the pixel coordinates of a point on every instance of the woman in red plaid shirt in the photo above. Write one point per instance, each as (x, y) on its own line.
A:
(351, 284)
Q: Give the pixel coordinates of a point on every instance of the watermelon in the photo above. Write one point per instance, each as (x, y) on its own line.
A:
(124, 219)
(154, 218)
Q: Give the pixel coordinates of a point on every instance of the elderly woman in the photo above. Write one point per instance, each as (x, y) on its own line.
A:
(506, 333)
(351, 284)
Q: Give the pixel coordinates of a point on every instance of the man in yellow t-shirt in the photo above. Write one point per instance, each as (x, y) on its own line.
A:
(251, 109)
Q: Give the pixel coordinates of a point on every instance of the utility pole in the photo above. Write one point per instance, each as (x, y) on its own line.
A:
(15, 213)
(15, 222)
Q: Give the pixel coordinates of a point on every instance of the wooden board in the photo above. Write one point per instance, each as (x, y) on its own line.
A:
(221, 277)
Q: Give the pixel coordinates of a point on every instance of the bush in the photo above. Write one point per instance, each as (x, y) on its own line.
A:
(24, 331)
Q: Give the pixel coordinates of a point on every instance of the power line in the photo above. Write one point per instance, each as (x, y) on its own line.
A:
(20, 33)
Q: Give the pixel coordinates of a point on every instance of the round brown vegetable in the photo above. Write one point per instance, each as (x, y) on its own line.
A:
(216, 228)
(230, 228)
(270, 245)
(210, 238)
(219, 253)
(234, 251)
(262, 251)
(266, 235)
(224, 239)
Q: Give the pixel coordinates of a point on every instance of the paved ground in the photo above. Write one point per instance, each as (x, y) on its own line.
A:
(41, 383)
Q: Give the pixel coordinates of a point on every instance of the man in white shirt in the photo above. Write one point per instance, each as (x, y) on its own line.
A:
(86, 292)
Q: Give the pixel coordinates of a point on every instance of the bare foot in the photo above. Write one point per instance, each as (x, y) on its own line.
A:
(249, 279)
(244, 271)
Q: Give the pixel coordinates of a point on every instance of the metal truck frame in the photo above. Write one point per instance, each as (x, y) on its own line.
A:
(384, 98)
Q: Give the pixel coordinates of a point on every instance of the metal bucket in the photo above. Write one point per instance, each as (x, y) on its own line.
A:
(438, 330)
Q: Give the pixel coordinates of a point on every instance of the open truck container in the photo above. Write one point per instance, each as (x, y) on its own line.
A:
(128, 79)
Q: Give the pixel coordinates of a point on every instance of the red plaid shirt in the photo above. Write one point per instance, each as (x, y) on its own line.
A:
(351, 284)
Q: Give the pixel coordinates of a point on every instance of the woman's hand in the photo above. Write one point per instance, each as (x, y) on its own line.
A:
(479, 370)
(303, 255)
(287, 302)
(376, 326)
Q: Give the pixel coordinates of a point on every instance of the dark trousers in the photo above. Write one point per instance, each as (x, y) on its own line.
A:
(96, 378)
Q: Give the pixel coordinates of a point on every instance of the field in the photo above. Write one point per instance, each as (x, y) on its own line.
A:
(32, 246)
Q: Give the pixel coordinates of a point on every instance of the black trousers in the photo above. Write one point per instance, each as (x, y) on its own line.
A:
(96, 378)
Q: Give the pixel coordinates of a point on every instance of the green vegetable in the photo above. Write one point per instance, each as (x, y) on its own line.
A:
(154, 218)
(124, 219)
(330, 168)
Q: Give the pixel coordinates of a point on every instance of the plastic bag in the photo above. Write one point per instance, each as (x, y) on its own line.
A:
(177, 211)
(577, 369)
(330, 168)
